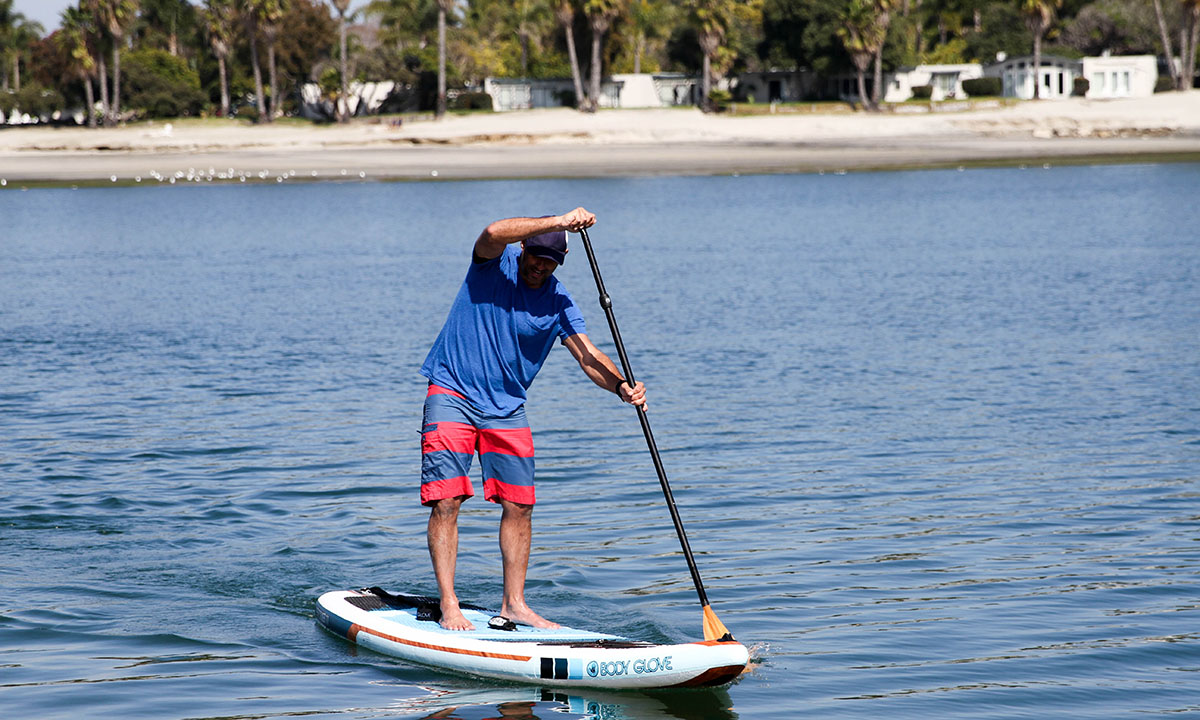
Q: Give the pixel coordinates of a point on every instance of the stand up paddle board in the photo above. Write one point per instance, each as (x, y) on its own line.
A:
(406, 626)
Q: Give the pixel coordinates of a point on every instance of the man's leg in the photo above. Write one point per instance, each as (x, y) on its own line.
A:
(443, 551)
(516, 529)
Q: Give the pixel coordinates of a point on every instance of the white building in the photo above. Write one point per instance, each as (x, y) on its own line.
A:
(770, 86)
(1056, 76)
(616, 91)
(1108, 76)
(1120, 76)
(946, 81)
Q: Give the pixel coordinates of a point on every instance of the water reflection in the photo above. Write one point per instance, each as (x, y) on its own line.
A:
(515, 703)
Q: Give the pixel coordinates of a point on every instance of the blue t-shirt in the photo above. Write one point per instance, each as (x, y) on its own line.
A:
(499, 333)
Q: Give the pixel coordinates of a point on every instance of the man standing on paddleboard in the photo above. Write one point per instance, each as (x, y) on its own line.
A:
(500, 329)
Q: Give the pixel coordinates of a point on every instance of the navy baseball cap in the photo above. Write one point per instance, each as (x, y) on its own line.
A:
(551, 245)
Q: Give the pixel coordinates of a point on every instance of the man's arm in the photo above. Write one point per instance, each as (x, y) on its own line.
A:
(597, 366)
(494, 237)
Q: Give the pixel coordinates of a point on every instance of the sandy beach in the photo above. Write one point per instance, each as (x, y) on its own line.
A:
(565, 143)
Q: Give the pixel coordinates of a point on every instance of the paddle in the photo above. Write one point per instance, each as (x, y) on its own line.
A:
(714, 629)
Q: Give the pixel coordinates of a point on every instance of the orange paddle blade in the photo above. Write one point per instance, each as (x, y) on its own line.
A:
(714, 629)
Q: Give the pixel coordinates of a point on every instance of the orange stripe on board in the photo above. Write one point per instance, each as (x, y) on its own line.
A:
(356, 628)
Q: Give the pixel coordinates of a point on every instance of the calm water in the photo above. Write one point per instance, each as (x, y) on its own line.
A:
(935, 436)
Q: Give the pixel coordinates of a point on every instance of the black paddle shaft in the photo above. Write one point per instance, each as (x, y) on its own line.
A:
(606, 303)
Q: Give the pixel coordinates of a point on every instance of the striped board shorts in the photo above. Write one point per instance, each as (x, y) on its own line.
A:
(453, 431)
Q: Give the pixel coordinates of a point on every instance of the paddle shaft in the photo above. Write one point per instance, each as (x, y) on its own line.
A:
(606, 304)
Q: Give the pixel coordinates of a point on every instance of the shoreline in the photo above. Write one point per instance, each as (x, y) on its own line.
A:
(562, 143)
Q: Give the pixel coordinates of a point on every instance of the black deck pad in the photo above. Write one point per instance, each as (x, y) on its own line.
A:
(428, 608)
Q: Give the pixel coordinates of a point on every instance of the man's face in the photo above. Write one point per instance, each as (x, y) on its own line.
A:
(535, 270)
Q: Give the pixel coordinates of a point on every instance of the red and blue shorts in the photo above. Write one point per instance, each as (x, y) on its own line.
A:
(453, 431)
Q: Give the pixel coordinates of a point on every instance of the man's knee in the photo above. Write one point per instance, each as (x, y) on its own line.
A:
(446, 508)
(515, 508)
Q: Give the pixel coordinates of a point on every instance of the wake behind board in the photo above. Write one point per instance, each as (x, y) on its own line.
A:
(405, 626)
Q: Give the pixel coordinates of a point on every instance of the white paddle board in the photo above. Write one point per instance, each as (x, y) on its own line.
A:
(405, 626)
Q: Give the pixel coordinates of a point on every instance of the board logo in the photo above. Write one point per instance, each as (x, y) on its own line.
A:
(641, 666)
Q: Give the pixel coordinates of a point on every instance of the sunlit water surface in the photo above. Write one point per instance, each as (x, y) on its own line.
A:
(935, 437)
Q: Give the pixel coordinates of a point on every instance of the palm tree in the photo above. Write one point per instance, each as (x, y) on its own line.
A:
(1189, 37)
(17, 34)
(117, 17)
(271, 16)
(261, 17)
(648, 18)
(565, 13)
(860, 34)
(710, 18)
(533, 18)
(1168, 53)
(24, 34)
(444, 7)
(601, 14)
(92, 7)
(220, 18)
(883, 16)
(78, 27)
(343, 104)
(1038, 15)
(8, 21)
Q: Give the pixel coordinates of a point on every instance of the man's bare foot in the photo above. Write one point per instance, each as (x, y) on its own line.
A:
(452, 618)
(524, 614)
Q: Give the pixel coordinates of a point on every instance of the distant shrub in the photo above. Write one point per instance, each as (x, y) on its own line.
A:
(33, 99)
(922, 92)
(718, 100)
(1163, 84)
(983, 87)
(1079, 87)
(160, 84)
(473, 101)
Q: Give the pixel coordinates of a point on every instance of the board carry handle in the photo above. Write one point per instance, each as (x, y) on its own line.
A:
(714, 629)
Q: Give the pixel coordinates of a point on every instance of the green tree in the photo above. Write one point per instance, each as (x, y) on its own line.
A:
(1122, 27)
(565, 14)
(883, 19)
(1038, 15)
(220, 23)
(309, 44)
(806, 33)
(601, 14)
(78, 27)
(17, 35)
(117, 17)
(710, 18)
(1189, 38)
(862, 34)
(1183, 75)
(342, 105)
(648, 21)
(171, 25)
(261, 19)
(1002, 31)
(102, 43)
(445, 7)
(535, 20)
(162, 85)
